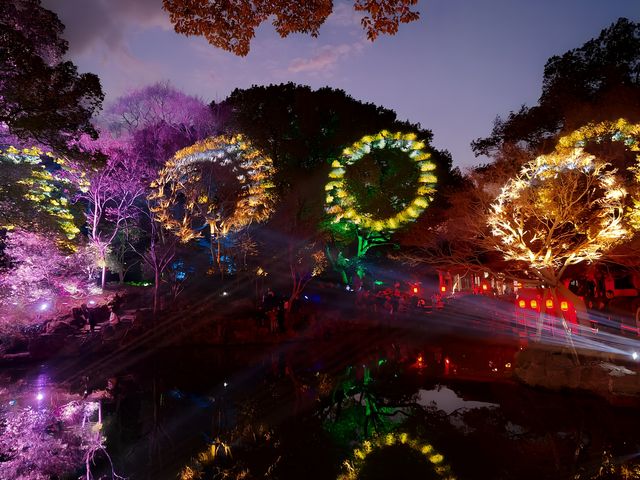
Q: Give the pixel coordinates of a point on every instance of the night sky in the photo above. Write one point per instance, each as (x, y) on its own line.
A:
(453, 71)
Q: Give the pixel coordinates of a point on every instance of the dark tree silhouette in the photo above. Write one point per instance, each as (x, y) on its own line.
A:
(42, 97)
(598, 81)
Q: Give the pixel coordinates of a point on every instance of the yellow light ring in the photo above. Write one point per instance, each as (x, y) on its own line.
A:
(620, 131)
(353, 466)
(252, 169)
(342, 205)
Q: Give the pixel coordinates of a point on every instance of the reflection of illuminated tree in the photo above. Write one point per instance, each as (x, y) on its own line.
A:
(42, 443)
(394, 441)
(222, 183)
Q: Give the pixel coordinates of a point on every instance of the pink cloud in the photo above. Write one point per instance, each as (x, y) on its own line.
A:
(344, 15)
(325, 59)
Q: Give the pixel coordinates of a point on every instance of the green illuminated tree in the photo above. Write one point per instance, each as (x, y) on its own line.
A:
(303, 130)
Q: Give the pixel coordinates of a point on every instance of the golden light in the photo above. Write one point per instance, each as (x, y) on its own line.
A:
(179, 182)
(353, 467)
(561, 209)
(341, 205)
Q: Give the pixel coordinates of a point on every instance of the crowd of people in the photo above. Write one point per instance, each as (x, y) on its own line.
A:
(401, 298)
(397, 300)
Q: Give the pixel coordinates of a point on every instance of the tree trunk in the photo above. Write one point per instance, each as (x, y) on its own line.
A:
(567, 329)
(219, 257)
(156, 291)
(104, 274)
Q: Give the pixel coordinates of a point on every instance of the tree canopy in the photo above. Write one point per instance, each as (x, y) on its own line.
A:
(231, 25)
(598, 81)
(42, 97)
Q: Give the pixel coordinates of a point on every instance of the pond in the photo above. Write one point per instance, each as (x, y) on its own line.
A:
(369, 406)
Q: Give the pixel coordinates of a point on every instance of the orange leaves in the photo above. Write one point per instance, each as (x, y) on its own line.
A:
(385, 16)
(231, 24)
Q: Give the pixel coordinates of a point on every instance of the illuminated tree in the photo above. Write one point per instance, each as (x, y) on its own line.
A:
(161, 248)
(32, 196)
(158, 120)
(231, 25)
(37, 270)
(305, 263)
(562, 209)
(110, 192)
(141, 130)
(378, 185)
(222, 183)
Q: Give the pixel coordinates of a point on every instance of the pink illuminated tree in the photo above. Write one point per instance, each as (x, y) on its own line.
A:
(110, 192)
(158, 120)
(35, 269)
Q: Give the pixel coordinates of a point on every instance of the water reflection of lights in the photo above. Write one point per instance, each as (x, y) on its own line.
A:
(475, 315)
(354, 466)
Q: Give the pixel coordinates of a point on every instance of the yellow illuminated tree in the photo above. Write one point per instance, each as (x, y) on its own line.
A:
(559, 211)
(569, 207)
(32, 197)
(222, 183)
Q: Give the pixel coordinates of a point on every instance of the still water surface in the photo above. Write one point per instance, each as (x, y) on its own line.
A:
(300, 410)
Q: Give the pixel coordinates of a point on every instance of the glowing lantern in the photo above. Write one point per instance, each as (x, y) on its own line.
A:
(522, 303)
(415, 289)
(534, 304)
(564, 306)
(549, 303)
(484, 287)
(443, 288)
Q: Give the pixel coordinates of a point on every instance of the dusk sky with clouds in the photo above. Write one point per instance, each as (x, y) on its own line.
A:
(453, 71)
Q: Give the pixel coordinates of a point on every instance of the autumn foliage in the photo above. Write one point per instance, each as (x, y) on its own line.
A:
(231, 25)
